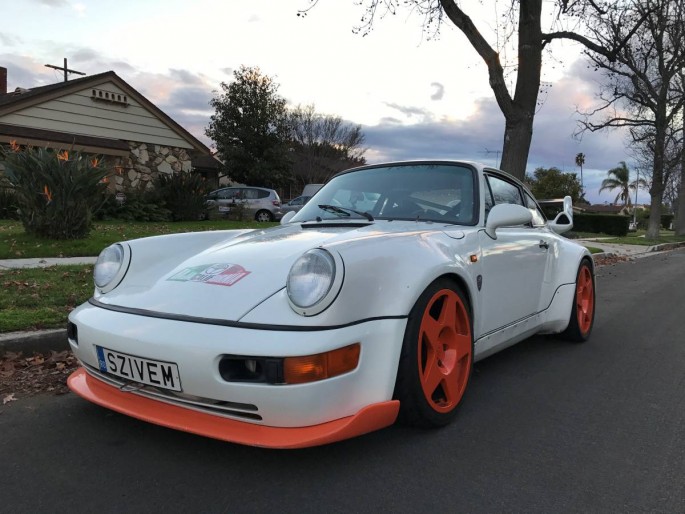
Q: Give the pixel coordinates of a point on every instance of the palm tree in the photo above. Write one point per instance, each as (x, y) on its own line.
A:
(619, 178)
(580, 160)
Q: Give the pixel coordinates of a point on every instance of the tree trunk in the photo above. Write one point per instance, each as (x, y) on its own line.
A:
(518, 134)
(518, 131)
(656, 192)
(680, 215)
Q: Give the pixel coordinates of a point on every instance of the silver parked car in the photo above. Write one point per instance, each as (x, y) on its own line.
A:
(295, 204)
(259, 202)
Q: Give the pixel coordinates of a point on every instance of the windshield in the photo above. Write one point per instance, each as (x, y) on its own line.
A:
(420, 192)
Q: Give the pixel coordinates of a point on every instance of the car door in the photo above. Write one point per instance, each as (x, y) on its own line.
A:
(513, 265)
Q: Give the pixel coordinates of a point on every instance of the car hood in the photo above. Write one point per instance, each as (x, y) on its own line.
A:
(229, 279)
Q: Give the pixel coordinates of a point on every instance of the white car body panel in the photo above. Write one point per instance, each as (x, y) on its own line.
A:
(165, 308)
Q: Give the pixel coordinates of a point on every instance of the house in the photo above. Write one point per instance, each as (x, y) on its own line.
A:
(102, 114)
(624, 210)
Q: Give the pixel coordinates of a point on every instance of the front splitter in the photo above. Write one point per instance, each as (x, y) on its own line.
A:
(370, 418)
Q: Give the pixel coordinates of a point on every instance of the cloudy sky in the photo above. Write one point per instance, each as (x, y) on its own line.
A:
(414, 97)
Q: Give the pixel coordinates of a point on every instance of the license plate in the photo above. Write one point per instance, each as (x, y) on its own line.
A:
(138, 369)
(224, 209)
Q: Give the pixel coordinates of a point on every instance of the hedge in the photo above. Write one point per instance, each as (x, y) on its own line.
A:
(612, 224)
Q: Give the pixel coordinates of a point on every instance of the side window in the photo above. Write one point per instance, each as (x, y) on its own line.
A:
(226, 194)
(538, 216)
(261, 193)
(504, 192)
(250, 194)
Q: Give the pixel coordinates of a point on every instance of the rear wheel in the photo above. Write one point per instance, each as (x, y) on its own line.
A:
(263, 216)
(437, 356)
(583, 308)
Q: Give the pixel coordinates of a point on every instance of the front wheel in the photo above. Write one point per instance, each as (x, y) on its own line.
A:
(263, 216)
(583, 308)
(437, 356)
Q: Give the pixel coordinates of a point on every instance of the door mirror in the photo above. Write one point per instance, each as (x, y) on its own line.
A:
(506, 215)
(564, 220)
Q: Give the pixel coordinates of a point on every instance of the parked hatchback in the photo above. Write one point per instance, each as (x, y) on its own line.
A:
(260, 203)
(295, 204)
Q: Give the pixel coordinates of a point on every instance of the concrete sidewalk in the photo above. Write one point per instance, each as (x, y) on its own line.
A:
(45, 262)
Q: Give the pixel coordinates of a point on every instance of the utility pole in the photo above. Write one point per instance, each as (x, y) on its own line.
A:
(65, 69)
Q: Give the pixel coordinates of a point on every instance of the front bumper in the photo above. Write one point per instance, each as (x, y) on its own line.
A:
(370, 418)
(352, 402)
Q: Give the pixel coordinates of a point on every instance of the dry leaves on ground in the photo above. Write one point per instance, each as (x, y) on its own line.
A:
(39, 373)
(607, 260)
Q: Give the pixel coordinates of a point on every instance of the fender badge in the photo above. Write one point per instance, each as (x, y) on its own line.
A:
(220, 274)
(479, 281)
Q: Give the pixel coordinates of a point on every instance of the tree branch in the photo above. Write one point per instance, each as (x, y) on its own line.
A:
(487, 53)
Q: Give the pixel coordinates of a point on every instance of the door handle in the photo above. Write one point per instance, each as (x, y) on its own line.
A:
(543, 244)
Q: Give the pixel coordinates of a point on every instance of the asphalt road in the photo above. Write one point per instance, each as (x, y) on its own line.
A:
(547, 427)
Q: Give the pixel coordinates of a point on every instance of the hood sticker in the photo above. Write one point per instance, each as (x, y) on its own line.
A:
(220, 274)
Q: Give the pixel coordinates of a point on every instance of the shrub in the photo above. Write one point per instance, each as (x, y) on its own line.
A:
(666, 220)
(138, 206)
(56, 191)
(8, 204)
(611, 224)
(183, 194)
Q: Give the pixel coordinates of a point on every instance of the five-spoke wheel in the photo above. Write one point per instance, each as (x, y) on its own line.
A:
(437, 356)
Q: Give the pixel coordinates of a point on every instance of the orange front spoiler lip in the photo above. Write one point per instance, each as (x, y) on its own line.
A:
(370, 418)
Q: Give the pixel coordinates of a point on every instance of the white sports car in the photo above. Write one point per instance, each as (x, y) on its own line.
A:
(368, 305)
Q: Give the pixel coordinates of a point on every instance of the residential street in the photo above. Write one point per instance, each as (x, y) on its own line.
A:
(547, 427)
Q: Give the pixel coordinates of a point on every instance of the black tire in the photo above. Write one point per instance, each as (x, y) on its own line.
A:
(263, 216)
(583, 309)
(434, 369)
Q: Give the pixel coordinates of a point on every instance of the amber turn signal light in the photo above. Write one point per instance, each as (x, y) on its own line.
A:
(310, 368)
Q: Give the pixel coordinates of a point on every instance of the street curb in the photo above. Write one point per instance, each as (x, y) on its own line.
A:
(666, 246)
(35, 341)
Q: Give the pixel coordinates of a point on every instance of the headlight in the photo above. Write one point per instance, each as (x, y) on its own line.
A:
(314, 281)
(108, 267)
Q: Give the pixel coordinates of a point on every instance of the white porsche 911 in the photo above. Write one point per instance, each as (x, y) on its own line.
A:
(368, 305)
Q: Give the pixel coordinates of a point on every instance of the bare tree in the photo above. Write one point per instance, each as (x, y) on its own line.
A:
(517, 106)
(640, 90)
(322, 144)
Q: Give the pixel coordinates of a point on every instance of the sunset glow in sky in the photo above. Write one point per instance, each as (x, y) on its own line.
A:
(415, 98)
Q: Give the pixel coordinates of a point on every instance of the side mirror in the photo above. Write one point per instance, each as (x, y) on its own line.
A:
(564, 220)
(287, 217)
(506, 215)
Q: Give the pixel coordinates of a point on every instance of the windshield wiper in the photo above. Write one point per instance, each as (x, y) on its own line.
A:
(345, 210)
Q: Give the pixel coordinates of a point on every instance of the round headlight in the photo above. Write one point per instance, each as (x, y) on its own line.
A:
(310, 278)
(108, 265)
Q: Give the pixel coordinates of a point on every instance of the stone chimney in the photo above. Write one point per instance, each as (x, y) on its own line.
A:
(3, 80)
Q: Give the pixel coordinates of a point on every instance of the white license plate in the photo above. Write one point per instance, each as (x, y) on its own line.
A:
(146, 371)
(223, 208)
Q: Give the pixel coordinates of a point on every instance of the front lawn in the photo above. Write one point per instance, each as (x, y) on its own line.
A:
(39, 298)
(16, 244)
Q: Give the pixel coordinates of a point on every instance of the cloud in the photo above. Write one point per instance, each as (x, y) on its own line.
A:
(227, 71)
(85, 54)
(479, 137)
(9, 40)
(254, 19)
(439, 91)
(410, 111)
(52, 3)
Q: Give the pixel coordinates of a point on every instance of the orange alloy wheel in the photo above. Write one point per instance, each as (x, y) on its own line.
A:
(444, 350)
(585, 300)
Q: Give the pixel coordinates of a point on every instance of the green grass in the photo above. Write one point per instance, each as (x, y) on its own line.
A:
(41, 298)
(633, 238)
(594, 250)
(16, 244)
